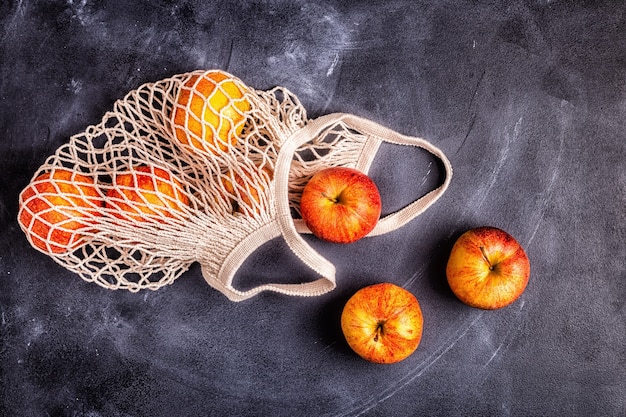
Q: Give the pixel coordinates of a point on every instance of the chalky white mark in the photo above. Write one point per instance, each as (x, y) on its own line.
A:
(35, 330)
(82, 15)
(495, 353)
(553, 177)
(425, 177)
(333, 65)
(507, 337)
(75, 86)
(504, 154)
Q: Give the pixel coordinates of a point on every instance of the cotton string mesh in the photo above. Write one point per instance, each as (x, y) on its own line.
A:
(132, 202)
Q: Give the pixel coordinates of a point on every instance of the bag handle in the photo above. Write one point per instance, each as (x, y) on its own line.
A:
(377, 134)
(291, 228)
(284, 224)
(223, 282)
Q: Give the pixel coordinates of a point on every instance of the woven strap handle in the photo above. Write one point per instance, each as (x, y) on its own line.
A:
(377, 134)
(223, 282)
(290, 229)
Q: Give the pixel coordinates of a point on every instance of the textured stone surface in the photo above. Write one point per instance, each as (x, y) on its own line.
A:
(527, 99)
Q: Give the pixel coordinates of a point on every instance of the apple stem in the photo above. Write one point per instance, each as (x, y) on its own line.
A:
(379, 331)
(482, 250)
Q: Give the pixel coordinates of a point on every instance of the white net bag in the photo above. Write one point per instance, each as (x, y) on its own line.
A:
(195, 168)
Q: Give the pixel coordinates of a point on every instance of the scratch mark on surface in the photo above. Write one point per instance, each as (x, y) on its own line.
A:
(328, 347)
(478, 83)
(469, 130)
(418, 274)
(495, 353)
(430, 164)
(474, 115)
(230, 55)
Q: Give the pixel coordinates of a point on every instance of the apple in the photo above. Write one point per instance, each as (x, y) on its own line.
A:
(245, 195)
(382, 323)
(210, 111)
(487, 268)
(58, 208)
(146, 192)
(340, 204)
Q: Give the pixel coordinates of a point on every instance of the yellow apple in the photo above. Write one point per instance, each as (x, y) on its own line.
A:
(382, 323)
(210, 111)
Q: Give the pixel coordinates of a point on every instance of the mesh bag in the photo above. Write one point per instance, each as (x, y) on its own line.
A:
(196, 168)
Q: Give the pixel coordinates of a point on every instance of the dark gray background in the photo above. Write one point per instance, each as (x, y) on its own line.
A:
(527, 99)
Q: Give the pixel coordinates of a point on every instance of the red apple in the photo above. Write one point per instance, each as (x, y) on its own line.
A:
(487, 268)
(382, 323)
(146, 192)
(340, 204)
(58, 208)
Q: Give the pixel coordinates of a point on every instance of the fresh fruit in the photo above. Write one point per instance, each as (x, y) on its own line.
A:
(382, 323)
(340, 204)
(146, 192)
(210, 111)
(245, 195)
(58, 208)
(487, 268)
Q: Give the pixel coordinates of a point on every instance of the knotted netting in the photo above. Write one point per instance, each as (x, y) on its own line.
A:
(200, 168)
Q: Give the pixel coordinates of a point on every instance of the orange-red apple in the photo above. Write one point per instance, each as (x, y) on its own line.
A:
(146, 192)
(210, 111)
(487, 268)
(340, 204)
(58, 208)
(382, 323)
